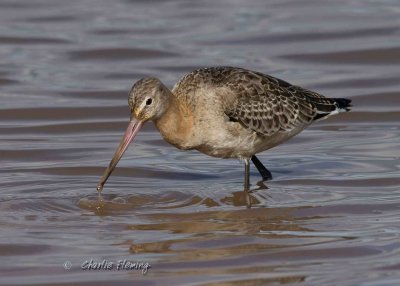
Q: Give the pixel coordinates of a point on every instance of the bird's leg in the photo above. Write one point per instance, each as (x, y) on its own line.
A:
(246, 175)
(265, 174)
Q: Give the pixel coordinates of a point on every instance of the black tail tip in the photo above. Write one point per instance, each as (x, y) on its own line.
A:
(343, 103)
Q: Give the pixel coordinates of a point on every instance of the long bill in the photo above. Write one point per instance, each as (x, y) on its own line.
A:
(130, 133)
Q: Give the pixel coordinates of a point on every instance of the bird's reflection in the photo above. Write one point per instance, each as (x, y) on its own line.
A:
(215, 234)
(247, 198)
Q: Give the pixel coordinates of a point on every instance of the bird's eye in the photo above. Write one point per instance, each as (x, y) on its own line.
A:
(149, 101)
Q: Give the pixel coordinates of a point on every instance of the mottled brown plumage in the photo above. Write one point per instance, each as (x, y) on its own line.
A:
(263, 103)
(225, 112)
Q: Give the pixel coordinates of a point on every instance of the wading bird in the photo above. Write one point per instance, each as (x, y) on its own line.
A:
(225, 112)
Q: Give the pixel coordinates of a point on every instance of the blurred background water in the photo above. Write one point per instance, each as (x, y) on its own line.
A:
(329, 217)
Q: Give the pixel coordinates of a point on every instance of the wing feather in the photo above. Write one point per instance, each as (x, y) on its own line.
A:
(269, 105)
(266, 107)
(261, 102)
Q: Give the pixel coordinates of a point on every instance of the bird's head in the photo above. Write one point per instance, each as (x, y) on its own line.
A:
(148, 100)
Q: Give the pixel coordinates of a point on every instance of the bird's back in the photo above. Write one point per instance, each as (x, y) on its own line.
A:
(261, 102)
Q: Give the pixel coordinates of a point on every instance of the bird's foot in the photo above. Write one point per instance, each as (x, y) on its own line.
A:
(264, 172)
(266, 175)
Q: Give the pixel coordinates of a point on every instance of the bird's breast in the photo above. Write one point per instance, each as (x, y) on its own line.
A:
(176, 127)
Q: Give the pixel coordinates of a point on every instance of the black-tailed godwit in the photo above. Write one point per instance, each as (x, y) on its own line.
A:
(225, 112)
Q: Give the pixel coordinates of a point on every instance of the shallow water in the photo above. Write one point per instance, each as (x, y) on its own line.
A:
(329, 217)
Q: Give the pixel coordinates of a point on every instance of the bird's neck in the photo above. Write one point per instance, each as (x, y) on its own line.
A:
(176, 123)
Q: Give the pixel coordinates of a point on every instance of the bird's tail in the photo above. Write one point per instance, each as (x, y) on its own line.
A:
(342, 104)
(331, 107)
